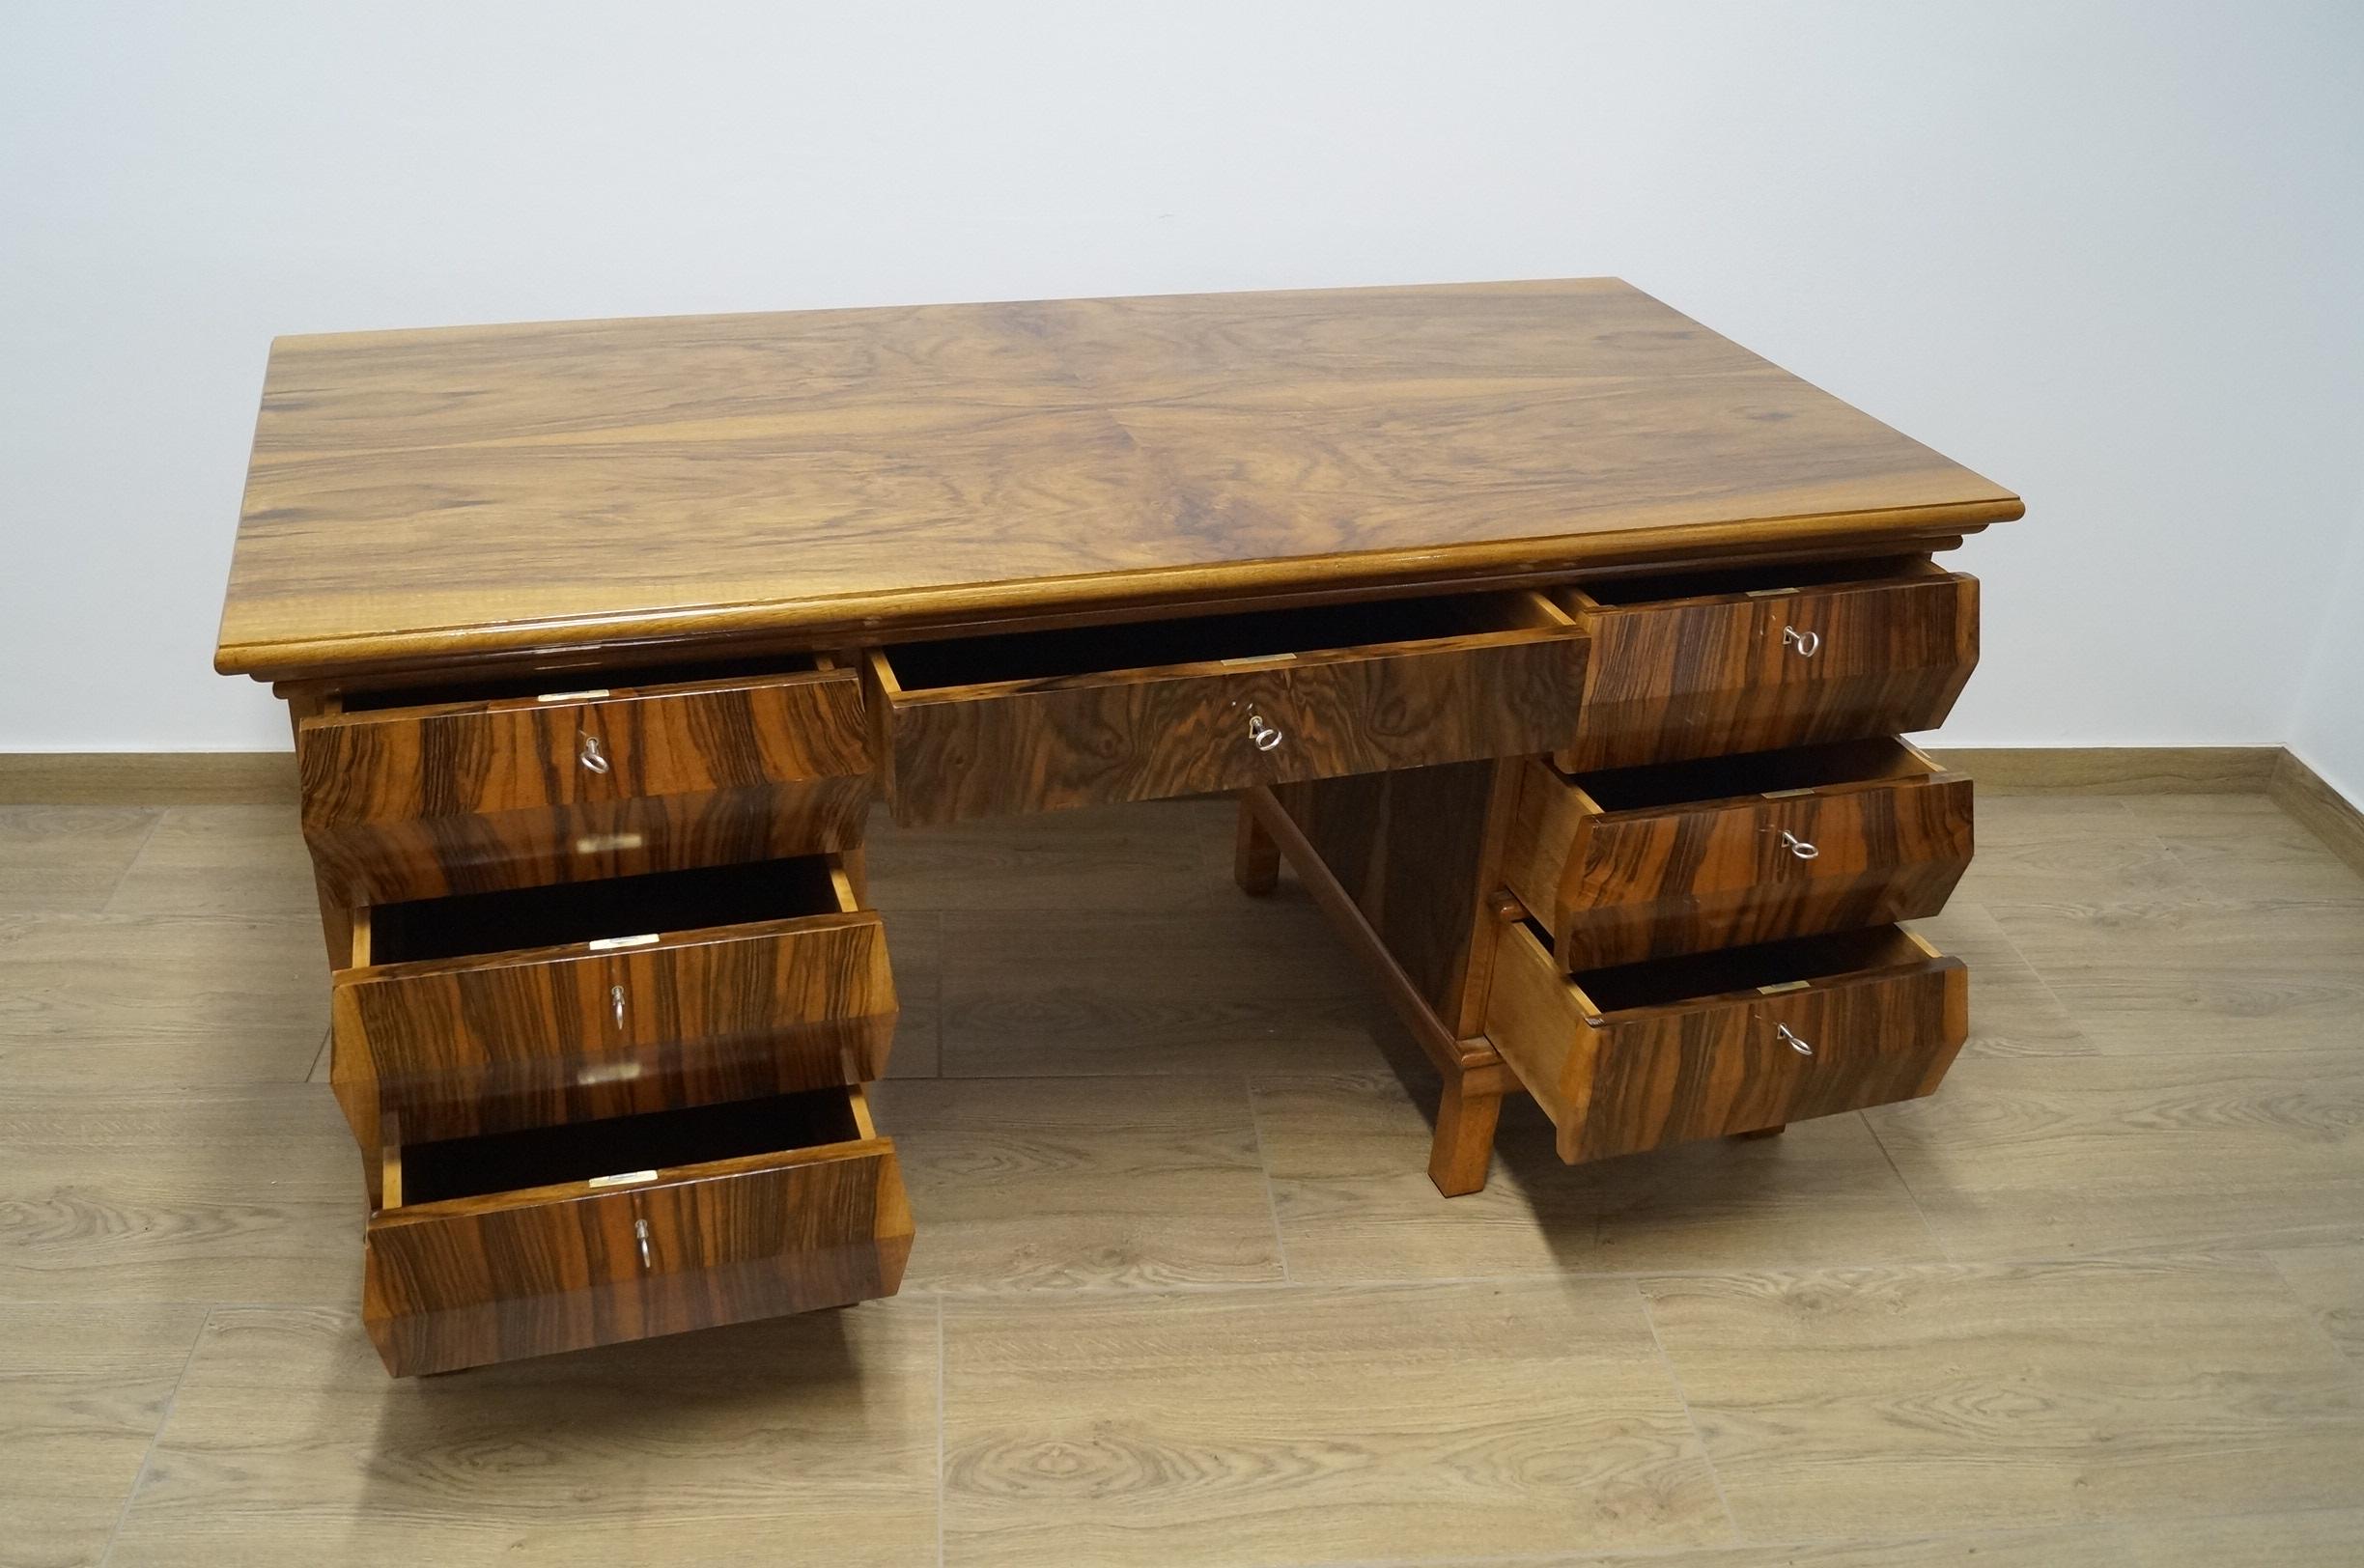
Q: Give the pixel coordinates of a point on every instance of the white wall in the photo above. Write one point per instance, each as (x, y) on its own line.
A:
(2107, 254)
(2327, 718)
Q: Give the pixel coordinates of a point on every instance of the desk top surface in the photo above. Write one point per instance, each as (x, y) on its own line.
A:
(426, 497)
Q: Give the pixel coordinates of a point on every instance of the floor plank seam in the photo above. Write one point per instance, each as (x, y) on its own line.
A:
(122, 1515)
(2017, 951)
(2322, 1330)
(1690, 1417)
(1663, 1554)
(940, 1430)
(2074, 1527)
(318, 1056)
(106, 904)
(1272, 1199)
(935, 989)
(1936, 1238)
(2197, 1255)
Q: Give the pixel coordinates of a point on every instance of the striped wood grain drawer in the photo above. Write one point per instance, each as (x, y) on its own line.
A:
(523, 782)
(1680, 857)
(1043, 720)
(1644, 1055)
(491, 1011)
(521, 1243)
(1713, 663)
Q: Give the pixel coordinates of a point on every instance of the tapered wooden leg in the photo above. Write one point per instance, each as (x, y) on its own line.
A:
(1464, 1148)
(336, 923)
(1255, 859)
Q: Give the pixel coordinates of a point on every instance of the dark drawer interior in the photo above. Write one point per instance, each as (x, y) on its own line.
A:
(1037, 656)
(1752, 580)
(1759, 772)
(1661, 982)
(551, 916)
(658, 1140)
(574, 683)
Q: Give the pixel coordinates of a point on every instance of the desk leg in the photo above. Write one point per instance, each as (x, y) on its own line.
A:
(1255, 859)
(1463, 1151)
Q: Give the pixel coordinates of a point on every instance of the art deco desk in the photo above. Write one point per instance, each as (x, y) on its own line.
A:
(1558, 644)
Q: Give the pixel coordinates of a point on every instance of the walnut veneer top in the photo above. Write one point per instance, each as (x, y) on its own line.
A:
(417, 497)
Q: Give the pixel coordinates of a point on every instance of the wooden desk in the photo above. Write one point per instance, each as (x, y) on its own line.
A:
(1558, 644)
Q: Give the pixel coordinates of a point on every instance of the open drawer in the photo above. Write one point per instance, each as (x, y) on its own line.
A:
(1755, 659)
(560, 1237)
(486, 1011)
(523, 782)
(1041, 720)
(1643, 1056)
(1649, 863)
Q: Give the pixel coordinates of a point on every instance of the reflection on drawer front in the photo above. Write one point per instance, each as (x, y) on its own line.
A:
(1649, 863)
(406, 798)
(522, 1243)
(1721, 664)
(503, 1010)
(1047, 721)
(1645, 1055)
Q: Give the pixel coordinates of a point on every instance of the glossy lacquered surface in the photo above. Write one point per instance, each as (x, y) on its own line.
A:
(1047, 721)
(1642, 1056)
(443, 495)
(1650, 863)
(1755, 659)
(818, 1218)
(452, 793)
(595, 634)
(766, 978)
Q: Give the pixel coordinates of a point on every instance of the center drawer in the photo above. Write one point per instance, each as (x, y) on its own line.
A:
(1648, 863)
(486, 1011)
(1044, 720)
(521, 1243)
(537, 780)
(1642, 1056)
(1711, 663)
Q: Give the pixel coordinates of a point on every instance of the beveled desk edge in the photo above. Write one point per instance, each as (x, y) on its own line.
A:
(1152, 593)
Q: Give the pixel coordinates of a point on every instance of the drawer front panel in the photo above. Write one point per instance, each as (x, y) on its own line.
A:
(458, 1048)
(1730, 1067)
(470, 1281)
(1618, 1084)
(1618, 888)
(1732, 674)
(418, 802)
(1089, 740)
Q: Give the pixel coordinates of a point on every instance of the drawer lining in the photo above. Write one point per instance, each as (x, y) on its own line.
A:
(1249, 636)
(1752, 774)
(1874, 571)
(495, 1163)
(592, 684)
(513, 919)
(1726, 971)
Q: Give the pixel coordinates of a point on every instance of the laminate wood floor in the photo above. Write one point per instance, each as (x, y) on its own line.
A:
(1182, 1293)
